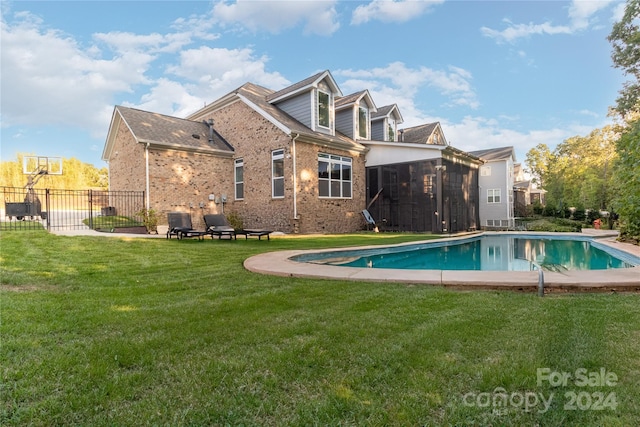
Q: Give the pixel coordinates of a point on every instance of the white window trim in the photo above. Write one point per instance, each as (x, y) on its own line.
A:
(329, 104)
(330, 158)
(366, 122)
(492, 193)
(391, 123)
(239, 163)
(276, 155)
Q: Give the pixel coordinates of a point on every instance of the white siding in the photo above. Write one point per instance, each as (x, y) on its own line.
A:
(500, 179)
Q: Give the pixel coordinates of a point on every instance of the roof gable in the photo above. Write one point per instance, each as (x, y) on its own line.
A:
(422, 134)
(388, 111)
(356, 98)
(165, 131)
(305, 85)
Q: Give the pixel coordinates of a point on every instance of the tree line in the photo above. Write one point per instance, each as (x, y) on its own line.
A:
(76, 175)
(601, 171)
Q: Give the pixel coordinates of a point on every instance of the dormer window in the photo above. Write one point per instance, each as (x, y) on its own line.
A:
(391, 129)
(324, 110)
(363, 122)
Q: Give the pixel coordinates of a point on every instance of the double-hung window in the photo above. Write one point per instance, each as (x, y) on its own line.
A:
(493, 195)
(391, 130)
(324, 111)
(334, 176)
(239, 179)
(277, 174)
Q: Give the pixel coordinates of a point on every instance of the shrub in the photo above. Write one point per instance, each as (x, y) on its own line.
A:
(579, 214)
(537, 208)
(149, 219)
(561, 225)
(235, 220)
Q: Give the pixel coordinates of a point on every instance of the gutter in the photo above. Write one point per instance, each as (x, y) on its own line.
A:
(146, 161)
(295, 177)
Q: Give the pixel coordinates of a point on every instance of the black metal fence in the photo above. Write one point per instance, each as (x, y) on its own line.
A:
(54, 209)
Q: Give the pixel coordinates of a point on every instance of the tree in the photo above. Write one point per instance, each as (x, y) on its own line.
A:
(538, 160)
(76, 175)
(578, 172)
(627, 173)
(625, 40)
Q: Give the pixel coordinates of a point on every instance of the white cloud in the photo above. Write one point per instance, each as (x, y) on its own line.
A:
(396, 83)
(168, 97)
(618, 12)
(581, 15)
(47, 78)
(479, 133)
(392, 10)
(213, 72)
(318, 17)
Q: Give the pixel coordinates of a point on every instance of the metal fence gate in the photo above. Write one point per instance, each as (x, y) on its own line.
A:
(54, 209)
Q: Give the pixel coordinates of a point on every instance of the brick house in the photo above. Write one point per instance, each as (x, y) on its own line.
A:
(295, 160)
(280, 165)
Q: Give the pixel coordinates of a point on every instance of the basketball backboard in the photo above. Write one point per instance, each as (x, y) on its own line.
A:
(34, 165)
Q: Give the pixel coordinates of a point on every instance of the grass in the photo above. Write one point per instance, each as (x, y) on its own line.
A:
(109, 222)
(107, 331)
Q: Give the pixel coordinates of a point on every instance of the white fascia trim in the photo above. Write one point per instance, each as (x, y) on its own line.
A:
(403, 145)
(264, 114)
(111, 135)
(117, 120)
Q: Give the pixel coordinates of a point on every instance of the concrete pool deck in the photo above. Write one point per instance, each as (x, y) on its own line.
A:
(617, 279)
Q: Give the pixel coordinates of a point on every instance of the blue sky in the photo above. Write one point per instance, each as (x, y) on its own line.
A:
(493, 73)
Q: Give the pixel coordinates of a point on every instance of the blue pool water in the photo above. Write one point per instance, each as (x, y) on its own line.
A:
(486, 253)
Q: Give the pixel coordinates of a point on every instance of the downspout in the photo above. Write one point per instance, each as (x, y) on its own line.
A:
(146, 160)
(295, 177)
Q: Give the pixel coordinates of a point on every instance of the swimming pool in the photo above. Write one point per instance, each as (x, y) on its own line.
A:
(329, 264)
(497, 252)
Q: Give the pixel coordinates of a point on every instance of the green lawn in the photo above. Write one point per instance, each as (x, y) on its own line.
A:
(103, 331)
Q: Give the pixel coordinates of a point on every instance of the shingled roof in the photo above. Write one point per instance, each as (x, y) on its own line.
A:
(419, 134)
(501, 153)
(161, 130)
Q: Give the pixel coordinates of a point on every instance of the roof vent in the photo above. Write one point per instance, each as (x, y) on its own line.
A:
(195, 135)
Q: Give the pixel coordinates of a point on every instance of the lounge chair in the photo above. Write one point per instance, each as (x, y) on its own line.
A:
(217, 225)
(369, 220)
(180, 226)
(257, 233)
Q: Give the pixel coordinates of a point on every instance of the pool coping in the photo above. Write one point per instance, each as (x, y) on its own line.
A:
(278, 263)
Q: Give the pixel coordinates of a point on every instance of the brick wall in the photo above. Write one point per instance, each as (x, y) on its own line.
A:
(254, 138)
(328, 215)
(182, 181)
(126, 165)
(179, 181)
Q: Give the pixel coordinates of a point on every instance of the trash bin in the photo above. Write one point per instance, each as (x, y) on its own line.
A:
(109, 211)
